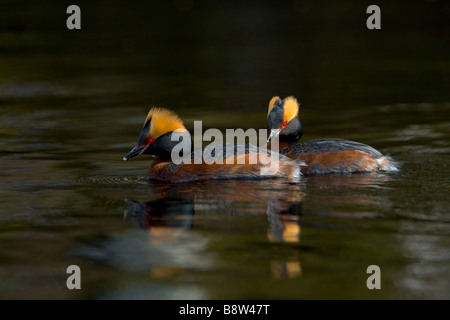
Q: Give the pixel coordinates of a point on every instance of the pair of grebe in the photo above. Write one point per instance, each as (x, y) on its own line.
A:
(320, 156)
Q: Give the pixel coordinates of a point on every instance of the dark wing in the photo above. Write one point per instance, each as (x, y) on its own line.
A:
(329, 145)
(230, 149)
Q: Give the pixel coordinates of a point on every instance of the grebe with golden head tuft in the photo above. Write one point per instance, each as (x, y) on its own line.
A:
(163, 131)
(322, 156)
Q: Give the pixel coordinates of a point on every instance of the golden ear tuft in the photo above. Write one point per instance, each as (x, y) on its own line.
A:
(163, 121)
(290, 107)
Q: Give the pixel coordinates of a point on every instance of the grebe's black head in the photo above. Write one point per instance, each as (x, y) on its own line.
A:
(283, 120)
(160, 128)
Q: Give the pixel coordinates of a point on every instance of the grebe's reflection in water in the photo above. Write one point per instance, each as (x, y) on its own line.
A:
(175, 209)
(172, 211)
(175, 205)
(284, 226)
(284, 222)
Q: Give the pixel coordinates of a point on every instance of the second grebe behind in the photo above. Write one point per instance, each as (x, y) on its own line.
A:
(322, 156)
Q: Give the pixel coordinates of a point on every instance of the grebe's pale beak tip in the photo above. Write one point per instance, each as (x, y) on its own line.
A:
(273, 133)
(137, 150)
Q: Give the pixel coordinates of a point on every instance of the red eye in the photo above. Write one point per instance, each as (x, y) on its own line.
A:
(285, 124)
(151, 139)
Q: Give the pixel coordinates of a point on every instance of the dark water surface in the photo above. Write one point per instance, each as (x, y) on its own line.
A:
(72, 104)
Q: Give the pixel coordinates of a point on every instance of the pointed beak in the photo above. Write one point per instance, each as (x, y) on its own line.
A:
(137, 150)
(273, 133)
